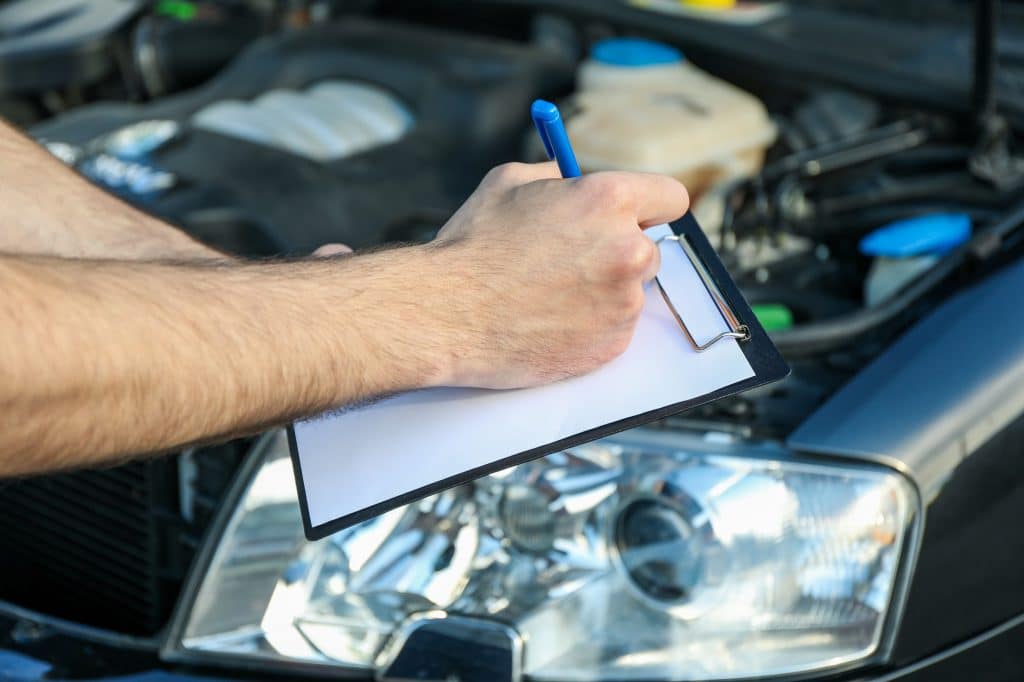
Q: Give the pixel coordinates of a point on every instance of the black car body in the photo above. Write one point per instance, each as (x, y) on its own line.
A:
(114, 574)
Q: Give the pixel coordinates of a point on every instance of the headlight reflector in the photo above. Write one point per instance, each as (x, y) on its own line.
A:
(646, 555)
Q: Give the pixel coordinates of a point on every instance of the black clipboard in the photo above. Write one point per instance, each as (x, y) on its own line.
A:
(764, 358)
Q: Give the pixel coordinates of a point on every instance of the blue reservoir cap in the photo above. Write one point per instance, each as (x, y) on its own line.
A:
(931, 235)
(635, 52)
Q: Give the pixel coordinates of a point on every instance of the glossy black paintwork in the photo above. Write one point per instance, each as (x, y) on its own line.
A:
(970, 570)
(999, 658)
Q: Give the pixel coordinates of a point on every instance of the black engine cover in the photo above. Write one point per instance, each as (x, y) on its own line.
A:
(470, 98)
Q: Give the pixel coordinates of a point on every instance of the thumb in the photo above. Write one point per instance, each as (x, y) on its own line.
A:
(332, 250)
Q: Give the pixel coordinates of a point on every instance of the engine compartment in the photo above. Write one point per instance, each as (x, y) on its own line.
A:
(282, 150)
(243, 163)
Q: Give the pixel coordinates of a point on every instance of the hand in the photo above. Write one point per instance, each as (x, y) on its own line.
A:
(546, 275)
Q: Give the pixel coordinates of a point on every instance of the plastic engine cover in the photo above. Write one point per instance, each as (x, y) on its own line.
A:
(467, 100)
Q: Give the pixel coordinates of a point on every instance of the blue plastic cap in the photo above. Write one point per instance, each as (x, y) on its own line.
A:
(543, 110)
(634, 52)
(934, 234)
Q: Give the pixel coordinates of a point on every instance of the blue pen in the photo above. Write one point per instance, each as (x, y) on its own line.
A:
(556, 141)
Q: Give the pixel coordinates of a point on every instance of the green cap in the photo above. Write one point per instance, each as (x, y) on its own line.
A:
(179, 9)
(773, 316)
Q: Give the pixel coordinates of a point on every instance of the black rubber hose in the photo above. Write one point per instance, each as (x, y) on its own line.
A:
(952, 187)
(836, 333)
(856, 225)
(172, 55)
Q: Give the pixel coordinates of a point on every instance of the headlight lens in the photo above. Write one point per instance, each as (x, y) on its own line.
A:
(647, 555)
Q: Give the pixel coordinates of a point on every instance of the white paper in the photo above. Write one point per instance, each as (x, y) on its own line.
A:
(365, 456)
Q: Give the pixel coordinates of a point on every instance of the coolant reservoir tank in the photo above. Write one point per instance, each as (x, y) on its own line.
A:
(641, 106)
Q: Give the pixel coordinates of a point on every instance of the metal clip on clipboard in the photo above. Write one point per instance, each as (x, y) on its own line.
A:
(737, 330)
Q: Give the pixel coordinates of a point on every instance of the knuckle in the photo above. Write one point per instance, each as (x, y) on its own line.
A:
(606, 191)
(622, 309)
(647, 252)
(505, 174)
(632, 257)
(615, 347)
(635, 303)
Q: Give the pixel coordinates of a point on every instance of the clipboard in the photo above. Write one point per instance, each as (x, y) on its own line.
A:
(763, 357)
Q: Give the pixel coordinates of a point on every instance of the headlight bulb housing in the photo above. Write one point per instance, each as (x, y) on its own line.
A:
(647, 555)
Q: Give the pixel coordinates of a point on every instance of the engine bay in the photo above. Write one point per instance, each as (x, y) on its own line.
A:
(370, 131)
(844, 214)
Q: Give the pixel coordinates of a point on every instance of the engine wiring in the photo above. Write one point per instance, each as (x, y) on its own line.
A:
(888, 173)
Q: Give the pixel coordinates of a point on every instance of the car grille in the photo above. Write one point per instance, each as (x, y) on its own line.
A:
(109, 547)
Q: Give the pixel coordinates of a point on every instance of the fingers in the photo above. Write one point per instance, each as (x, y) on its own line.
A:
(332, 250)
(513, 174)
(651, 271)
(654, 199)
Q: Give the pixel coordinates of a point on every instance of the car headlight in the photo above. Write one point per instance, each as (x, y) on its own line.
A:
(651, 554)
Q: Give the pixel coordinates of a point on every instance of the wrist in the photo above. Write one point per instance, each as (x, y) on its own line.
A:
(403, 318)
(457, 321)
(440, 319)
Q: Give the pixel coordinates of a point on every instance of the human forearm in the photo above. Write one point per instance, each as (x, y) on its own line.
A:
(101, 360)
(45, 208)
(533, 280)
